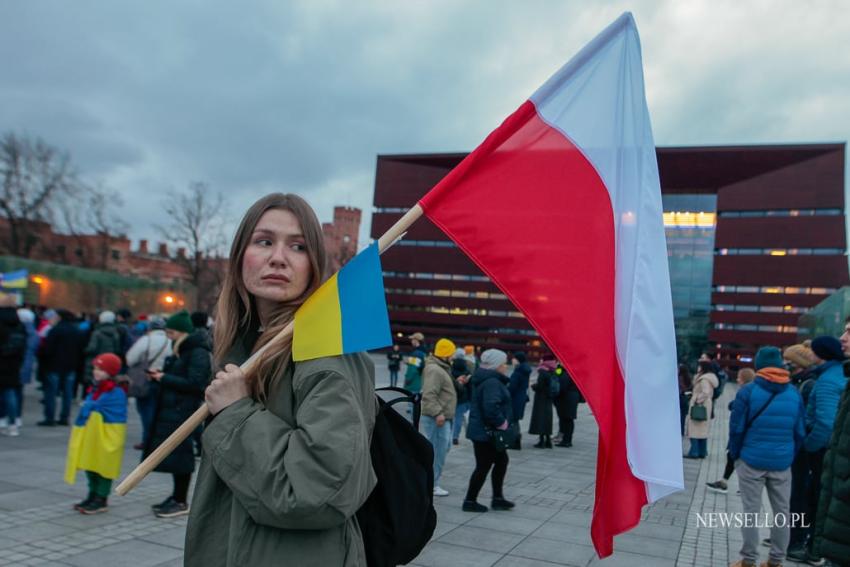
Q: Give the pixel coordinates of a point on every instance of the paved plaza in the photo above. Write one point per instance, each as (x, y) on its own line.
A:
(553, 489)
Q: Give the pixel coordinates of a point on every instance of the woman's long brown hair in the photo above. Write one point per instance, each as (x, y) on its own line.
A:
(236, 311)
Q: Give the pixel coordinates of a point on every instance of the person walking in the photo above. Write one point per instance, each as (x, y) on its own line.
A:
(147, 353)
(766, 429)
(59, 356)
(286, 461)
(13, 346)
(686, 384)
(394, 365)
(462, 371)
(439, 401)
(541, 410)
(490, 412)
(698, 422)
(180, 390)
(566, 406)
(745, 376)
(414, 362)
(518, 387)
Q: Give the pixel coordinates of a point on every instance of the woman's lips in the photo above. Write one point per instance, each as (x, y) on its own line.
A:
(276, 279)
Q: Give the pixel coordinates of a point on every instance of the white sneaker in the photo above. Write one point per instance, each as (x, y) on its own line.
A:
(18, 422)
(11, 431)
(440, 492)
(4, 422)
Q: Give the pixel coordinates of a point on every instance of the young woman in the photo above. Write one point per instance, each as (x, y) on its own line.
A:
(286, 460)
(698, 430)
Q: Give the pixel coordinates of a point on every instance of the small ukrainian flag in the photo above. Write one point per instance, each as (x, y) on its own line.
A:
(348, 313)
(14, 280)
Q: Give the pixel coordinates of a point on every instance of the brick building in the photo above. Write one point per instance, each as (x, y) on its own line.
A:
(341, 235)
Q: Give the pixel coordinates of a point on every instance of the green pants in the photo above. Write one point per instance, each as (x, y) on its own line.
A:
(98, 485)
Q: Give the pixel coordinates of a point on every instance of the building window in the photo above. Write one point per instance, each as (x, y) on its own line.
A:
(116, 254)
(782, 213)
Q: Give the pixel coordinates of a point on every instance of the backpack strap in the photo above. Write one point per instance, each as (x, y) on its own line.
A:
(759, 412)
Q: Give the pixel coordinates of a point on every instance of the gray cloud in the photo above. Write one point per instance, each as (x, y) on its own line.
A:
(262, 96)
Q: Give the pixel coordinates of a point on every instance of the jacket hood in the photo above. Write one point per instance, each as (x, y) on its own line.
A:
(483, 374)
(772, 387)
(108, 328)
(195, 340)
(431, 359)
(821, 368)
(711, 377)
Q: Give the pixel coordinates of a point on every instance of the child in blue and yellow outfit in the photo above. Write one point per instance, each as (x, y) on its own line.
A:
(97, 439)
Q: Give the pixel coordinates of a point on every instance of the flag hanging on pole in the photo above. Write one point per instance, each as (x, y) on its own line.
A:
(348, 313)
(561, 207)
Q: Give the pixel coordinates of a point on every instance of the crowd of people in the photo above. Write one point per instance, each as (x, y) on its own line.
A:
(162, 363)
(491, 388)
(789, 434)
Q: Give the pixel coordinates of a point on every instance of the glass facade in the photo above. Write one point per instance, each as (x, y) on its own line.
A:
(827, 317)
(690, 250)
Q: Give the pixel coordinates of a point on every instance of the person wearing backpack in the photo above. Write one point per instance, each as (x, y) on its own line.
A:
(286, 459)
(698, 422)
(766, 429)
(545, 389)
(106, 338)
(490, 419)
(13, 346)
(147, 353)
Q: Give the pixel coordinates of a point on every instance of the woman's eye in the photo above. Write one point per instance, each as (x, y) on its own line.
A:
(299, 247)
(263, 242)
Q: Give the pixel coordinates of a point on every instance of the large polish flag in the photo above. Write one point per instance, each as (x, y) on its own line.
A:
(561, 207)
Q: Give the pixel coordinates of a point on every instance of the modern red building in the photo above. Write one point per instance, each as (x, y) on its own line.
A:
(756, 236)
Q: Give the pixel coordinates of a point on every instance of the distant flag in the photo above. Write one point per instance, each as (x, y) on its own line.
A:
(14, 280)
(348, 313)
(561, 207)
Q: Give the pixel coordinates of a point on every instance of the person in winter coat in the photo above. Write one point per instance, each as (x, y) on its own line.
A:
(97, 441)
(490, 409)
(765, 432)
(745, 376)
(13, 346)
(697, 430)
(27, 318)
(439, 401)
(821, 409)
(180, 390)
(106, 338)
(394, 365)
(518, 387)
(286, 458)
(541, 411)
(462, 371)
(566, 405)
(414, 363)
(685, 386)
(147, 353)
(59, 357)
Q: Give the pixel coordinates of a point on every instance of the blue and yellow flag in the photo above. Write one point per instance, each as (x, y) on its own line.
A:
(14, 280)
(347, 314)
(97, 438)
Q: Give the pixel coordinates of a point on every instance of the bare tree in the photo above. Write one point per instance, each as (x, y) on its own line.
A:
(196, 224)
(35, 176)
(92, 211)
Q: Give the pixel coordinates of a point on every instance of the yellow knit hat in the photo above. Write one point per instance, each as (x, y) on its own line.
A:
(800, 355)
(444, 348)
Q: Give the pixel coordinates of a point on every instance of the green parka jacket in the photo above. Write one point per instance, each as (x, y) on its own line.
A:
(832, 529)
(279, 483)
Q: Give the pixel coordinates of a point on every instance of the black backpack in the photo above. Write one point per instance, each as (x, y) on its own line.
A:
(398, 518)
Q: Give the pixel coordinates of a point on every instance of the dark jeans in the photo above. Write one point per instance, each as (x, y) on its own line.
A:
(684, 401)
(699, 448)
(813, 493)
(393, 377)
(487, 456)
(567, 427)
(9, 401)
(146, 407)
(730, 467)
(55, 384)
(181, 486)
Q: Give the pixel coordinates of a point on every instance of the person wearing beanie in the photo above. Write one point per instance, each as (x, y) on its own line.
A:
(461, 373)
(147, 353)
(518, 387)
(566, 402)
(821, 398)
(490, 410)
(97, 439)
(545, 390)
(698, 421)
(106, 338)
(439, 401)
(766, 430)
(179, 390)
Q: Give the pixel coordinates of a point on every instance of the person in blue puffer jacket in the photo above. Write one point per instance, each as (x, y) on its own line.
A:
(766, 429)
(821, 409)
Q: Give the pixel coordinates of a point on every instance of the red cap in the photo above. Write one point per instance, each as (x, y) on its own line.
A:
(108, 362)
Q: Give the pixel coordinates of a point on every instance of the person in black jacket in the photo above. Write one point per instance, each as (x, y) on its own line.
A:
(490, 409)
(394, 364)
(518, 388)
(13, 346)
(59, 357)
(541, 411)
(566, 404)
(181, 385)
(461, 373)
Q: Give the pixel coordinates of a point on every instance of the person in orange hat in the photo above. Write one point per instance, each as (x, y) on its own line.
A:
(97, 438)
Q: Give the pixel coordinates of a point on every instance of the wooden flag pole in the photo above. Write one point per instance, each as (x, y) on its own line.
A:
(196, 419)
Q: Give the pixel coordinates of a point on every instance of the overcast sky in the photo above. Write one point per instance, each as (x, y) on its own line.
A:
(254, 97)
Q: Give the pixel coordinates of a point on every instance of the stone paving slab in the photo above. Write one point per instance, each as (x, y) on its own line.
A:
(553, 488)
